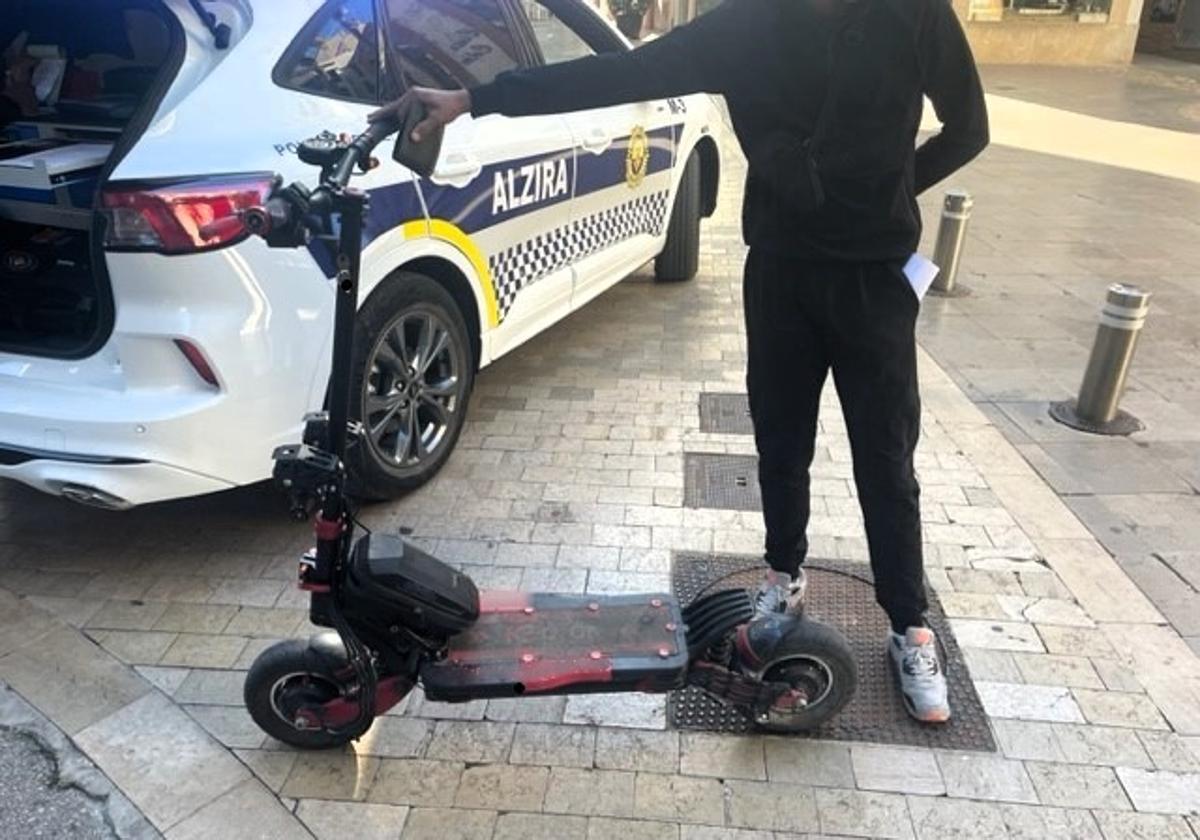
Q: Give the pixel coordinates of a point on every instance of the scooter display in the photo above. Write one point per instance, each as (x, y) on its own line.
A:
(399, 618)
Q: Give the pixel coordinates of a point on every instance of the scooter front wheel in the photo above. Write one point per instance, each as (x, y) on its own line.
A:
(285, 680)
(817, 662)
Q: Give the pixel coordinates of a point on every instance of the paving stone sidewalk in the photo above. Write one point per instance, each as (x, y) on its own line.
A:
(132, 632)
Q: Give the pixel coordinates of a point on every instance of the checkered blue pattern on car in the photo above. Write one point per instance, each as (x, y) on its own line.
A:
(527, 262)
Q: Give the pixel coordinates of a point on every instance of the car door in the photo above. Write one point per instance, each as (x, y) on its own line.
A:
(625, 156)
(501, 183)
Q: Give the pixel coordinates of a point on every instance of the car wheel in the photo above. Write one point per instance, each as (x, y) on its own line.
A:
(413, 372)
(680, 257)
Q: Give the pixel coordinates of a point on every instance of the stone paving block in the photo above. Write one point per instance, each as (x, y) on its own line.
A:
(554, 745)
(1123, 825)
(973, 776)
(1096, 581)
(603, 828)
(896, 769)
(338, 774)
(708, 832)
(117, 587)
(166, 680)
(863, 814)
(1057, 669)
(126, 615)
(611, 582)
(166, 764)
(71, 680)
(526, 555)
(1057, 611)
(134, 647)
(955, 818)
(1162, 791)
(722, 756)
(1166, 666)
(500, 786)
(1041, 585)
(770, 806)
(973, 605)
(634, 711)
(248, 812)
(992, 665)
(268, 622)
(985, 582)
(588, 557)
(220, 688)
(1076, 641)
(1101, 745)
(232, 726)
(74, 611)
(1027, 740)
(634, 749)
(996, 635)
(659, 796)
(411, 781)
(1027, 822)
(271, 767)
(188, 590)
(396, 737)
(571, 581)
(540, 827)
(1028, 702)
(820, 763)
(471, 741)
(1077, 786)
(1168, 751)
(1117, 676)
(193, 650)
(448, 824)
(526, 709)
(363, 821)
(605, 793)
(195, 618)
(249, 592)
(1109, 708)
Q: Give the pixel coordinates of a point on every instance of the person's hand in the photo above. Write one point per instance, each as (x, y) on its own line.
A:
(18, 83)
(442, 107)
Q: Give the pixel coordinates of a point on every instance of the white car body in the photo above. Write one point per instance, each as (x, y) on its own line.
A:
(542, 199)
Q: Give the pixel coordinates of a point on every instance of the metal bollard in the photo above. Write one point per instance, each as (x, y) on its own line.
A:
(1098, 408)
(952, 234)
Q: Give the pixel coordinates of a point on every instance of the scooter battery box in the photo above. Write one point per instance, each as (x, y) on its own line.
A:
(543, 643)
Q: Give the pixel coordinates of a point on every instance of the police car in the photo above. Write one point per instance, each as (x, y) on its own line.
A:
(150, 349)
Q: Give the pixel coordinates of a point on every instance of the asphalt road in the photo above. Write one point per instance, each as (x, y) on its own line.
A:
(33, 806)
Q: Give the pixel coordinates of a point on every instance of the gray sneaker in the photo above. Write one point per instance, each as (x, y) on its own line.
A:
(780, 593)
(918, 671)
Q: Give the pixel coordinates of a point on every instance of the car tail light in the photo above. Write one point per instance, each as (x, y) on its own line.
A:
(200, 364)
(183, 217)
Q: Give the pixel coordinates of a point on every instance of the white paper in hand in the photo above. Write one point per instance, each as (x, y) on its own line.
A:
(920, 273)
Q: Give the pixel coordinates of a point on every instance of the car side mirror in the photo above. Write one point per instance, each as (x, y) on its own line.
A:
(420, 157)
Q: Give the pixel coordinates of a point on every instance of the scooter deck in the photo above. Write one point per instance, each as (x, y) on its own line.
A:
(546, 643)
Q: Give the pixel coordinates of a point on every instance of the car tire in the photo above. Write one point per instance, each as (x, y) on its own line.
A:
(413, 370)
(680, 257)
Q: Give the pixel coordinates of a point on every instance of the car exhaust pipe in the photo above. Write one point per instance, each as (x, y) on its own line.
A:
(93, 497)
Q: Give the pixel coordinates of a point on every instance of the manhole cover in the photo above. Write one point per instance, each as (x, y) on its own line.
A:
(726, 414)
(839, 593)
(728, 482)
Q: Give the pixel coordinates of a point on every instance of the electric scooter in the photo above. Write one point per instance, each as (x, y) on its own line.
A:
(399, 618)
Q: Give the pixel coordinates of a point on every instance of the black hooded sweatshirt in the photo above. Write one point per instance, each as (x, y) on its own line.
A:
(772, 61)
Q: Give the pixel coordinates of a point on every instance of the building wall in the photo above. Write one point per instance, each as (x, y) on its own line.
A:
(1054, 40)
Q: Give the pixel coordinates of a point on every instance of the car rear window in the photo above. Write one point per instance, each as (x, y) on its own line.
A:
(336, 54)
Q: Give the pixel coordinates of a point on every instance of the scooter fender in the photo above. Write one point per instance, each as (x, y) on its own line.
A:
(758, 640)
(327, 647)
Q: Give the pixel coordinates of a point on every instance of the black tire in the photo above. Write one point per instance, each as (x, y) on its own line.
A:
(377, 469)
(811, 654)
(680, 257)
(276, 683)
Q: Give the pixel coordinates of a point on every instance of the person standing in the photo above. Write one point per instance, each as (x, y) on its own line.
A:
(826, 99)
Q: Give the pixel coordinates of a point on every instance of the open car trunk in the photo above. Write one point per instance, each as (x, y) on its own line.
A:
(102, 67)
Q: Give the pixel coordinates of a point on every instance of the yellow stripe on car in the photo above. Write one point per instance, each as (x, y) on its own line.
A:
(449, 232)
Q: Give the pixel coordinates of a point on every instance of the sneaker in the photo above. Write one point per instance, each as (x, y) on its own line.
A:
(918, 671)
(780, 593)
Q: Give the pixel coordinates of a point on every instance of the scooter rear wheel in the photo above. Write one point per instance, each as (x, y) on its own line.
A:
(816, 660)
(286, 678)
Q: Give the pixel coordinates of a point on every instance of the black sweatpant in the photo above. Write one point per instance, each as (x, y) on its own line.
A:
(804, 318)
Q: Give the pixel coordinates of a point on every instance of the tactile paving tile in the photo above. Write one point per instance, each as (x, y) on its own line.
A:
(725, 414)
(839, 593)
(726, 482)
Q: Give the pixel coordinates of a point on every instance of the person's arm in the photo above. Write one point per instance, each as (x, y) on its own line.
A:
(699, 57)
(689, 59)
(952, 84)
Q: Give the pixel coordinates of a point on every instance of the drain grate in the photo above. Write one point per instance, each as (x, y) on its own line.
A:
(839, 594)
(728, 482)
(726, 414)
